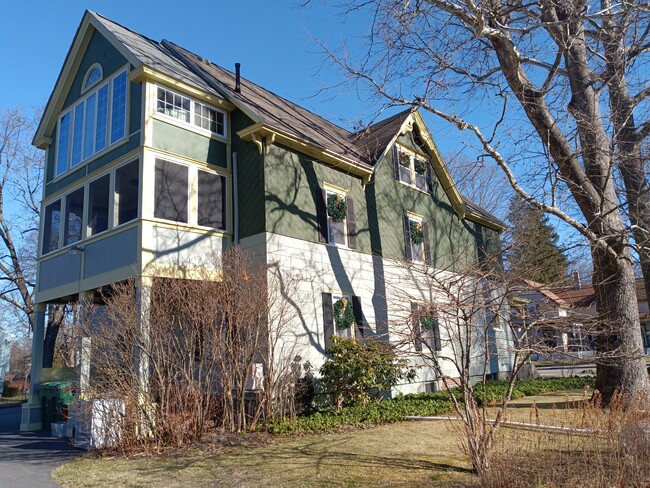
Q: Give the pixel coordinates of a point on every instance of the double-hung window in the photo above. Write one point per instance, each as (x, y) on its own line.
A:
(411, 168)
(416, 239)
(99, 116)
(190, 111)
(342, 316)
(425, 325)
(336, 220)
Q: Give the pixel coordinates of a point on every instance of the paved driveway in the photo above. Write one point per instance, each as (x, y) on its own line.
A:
(28, 458)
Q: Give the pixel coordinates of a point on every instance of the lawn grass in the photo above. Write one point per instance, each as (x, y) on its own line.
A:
(400, 454)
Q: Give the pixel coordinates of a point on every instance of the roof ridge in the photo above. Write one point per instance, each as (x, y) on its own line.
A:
(124, 27)
(260, 87)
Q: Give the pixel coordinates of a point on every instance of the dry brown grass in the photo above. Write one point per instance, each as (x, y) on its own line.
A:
(402, 454)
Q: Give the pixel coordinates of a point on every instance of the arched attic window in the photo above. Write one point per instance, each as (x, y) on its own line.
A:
(93, 76)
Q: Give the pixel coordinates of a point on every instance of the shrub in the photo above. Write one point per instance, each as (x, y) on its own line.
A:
(494, 391)
(375, 413)
(9, 391)
(358, 372)
(417, 404)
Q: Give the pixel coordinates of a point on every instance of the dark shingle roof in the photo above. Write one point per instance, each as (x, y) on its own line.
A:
(373, 140)
(152, 53)
(365, 146)
(276, 111)
(477, 209)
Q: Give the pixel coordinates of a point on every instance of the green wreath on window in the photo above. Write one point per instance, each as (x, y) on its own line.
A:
(420, 166)
(426, 321)
(417, 233)
(343, 313)
(404, 159)
(337, 208)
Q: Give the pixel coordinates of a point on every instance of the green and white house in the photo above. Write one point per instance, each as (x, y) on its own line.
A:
(157, 157)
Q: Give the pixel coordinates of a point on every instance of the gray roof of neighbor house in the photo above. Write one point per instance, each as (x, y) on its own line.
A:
(263, 106)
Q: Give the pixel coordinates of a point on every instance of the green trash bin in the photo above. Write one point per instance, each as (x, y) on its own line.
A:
(56, 396)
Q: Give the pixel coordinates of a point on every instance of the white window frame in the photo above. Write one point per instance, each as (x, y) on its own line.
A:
(192, 112)
(84, 85)
(348, 333)
(192, 193)
(419, 220)
(333, 191)
(413, 174)
(71, 112)
(112, 208)
(195, 209)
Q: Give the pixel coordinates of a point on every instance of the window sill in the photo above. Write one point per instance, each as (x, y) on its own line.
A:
(414, 187)
(92, 158)
(172, 224)
(340, 246)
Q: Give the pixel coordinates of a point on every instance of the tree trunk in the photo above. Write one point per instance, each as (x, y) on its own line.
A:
(54, 321)
(621, 366)
(628, 142)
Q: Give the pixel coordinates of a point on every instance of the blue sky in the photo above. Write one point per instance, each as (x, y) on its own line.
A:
(274, 41)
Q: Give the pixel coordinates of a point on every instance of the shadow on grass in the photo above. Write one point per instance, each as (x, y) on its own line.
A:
(334, 453)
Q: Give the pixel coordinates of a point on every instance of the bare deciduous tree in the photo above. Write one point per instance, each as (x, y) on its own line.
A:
(21, 179)
(572, 82)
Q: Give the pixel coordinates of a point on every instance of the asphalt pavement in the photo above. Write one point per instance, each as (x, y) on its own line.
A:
(28, 458)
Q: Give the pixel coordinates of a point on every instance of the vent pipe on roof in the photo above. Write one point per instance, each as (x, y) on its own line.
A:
(237, 78)
(576, 279)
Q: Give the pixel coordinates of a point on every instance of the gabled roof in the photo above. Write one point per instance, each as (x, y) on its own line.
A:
(272, 110)
(545, 290)
(585, 296)
(272, 115)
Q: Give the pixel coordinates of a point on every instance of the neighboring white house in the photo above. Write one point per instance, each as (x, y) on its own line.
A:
(559, 317)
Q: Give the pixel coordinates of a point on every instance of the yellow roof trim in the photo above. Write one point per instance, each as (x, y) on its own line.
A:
(149, 74)
(438, 165)
(474, 217)
(258, 130)
(89, 24)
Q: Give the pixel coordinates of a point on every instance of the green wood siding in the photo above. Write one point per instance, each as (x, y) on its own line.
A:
(292, 181)
(250, 176)
(134, 139)
(453, 244)
(100, 51)
(185, 142)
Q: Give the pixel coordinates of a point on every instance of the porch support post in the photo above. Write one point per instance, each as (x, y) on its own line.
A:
(32, 415)
(142, 365)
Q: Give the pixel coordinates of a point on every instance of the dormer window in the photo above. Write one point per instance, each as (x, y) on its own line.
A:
(190, 111)
(411, 168)
(93, 76)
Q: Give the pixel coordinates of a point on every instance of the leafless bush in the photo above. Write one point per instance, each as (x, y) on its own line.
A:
(615, 453)
(211, 352)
